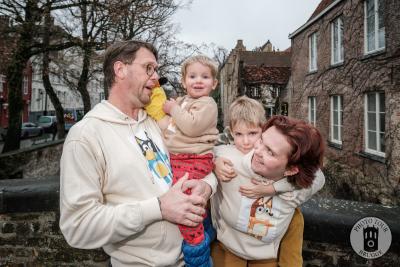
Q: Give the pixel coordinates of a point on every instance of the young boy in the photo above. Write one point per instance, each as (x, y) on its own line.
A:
(189, 129)
(247, 116)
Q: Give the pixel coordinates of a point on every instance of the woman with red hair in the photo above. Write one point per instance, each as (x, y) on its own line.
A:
(252, 211)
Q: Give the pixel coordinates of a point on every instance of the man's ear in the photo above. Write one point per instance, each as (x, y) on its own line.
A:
(292, 170)
(120, 69)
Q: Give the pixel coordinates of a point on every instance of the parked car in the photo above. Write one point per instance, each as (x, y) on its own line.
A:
(30, 129)
(48, 123)
(3, 132)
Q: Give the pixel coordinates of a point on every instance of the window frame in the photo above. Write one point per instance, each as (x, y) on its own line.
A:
(377, 113)
(337, 22)
(25, 85)
(376, 29)
(2, 81)
(312, 108)
(312, 51)
(339, 110)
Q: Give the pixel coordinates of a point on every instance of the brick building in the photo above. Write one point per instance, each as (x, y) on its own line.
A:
(345, 79)
(7, 43)
(260, 74)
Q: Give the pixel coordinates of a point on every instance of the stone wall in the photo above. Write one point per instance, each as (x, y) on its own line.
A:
(37, 161)
(30, 235)
(35, 239)
(350, 169)
(29, 230)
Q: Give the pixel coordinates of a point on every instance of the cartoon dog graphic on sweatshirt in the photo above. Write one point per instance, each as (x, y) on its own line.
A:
(260, 214)
(157, 160)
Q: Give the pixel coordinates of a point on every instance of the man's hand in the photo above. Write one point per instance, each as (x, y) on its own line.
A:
(199, 188)
(177, 207)
(257, 189)
(169, 105)
(223, 169)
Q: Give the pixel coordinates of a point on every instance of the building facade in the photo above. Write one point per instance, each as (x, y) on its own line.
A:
(64, 87)
(345, 80)
(26, 96)
(7, 44)
(260, 74)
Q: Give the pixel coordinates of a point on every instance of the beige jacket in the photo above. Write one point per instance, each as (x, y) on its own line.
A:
(193, 127)
(108, 189)
(252, 229)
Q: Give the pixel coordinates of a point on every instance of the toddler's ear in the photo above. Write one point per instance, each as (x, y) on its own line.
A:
(215, 84)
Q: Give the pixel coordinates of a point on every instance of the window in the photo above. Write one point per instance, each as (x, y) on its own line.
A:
(336, 119)
(337, 41)
(312, 110)
(270, 111)
(2, 81)
(374, 29)
(312, 41)
(374, 117)
(102, 96)
(255, 92)
(25, 85)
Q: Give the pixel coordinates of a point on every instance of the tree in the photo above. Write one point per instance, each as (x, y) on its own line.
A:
(26, 22)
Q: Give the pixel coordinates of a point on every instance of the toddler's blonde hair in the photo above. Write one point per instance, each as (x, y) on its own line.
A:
(247, 110)
(206, 61)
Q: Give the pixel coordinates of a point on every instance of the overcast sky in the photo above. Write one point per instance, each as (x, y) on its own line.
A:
(223, 22)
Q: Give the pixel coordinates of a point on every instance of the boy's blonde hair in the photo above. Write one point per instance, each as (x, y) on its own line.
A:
(206, 61)
(247, 110)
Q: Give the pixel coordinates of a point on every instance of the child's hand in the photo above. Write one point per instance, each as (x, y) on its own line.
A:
(257, 189)
(223, 169)
(169, 105)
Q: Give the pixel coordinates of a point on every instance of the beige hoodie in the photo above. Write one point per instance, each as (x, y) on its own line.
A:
(193, 127)
(252, 229)
(108, 189)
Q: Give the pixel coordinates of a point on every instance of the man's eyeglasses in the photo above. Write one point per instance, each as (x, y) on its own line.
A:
(150, 68)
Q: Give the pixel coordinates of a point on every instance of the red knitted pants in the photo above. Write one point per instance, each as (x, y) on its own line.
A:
(197, 166)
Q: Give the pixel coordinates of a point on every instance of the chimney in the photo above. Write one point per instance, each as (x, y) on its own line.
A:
(240, 46)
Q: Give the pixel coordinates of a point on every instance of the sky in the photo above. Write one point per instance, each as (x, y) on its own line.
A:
(223, 22)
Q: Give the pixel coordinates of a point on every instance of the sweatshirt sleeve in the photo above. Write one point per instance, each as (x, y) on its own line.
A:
(211, 180)
(299, 196)
(201, 116)
(85, 220)
(282, 186)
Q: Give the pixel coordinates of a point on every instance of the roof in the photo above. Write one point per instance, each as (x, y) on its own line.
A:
(321, 6)
(268, 75)
(267, 59)
(324, 7)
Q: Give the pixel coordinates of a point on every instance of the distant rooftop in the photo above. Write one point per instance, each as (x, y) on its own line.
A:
(267, 59)
(268, 75)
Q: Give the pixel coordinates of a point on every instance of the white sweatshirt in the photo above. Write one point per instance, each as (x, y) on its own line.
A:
(253, 228)
(112, 170)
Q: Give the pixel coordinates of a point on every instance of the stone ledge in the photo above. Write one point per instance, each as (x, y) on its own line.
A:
(29, 195)
(331, 220)
(32, 148)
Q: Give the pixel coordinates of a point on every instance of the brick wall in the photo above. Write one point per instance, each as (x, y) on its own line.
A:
(352, 173)
(34, 238)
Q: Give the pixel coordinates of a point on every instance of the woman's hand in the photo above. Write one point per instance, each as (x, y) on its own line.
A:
(257, 189)
(223, 169)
